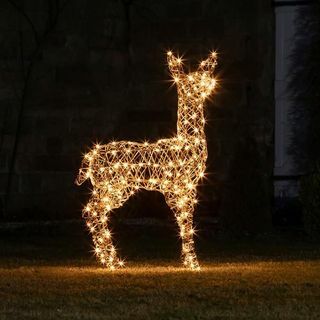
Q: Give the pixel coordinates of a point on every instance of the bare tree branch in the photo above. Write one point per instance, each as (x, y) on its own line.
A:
(27, 18)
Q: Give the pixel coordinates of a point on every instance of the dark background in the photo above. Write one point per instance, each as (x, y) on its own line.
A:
(76, 72)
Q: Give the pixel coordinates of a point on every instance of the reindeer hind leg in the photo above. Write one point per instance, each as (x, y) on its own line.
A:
(97, 217)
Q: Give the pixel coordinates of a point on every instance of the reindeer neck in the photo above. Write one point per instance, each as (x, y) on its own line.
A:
(191, 121)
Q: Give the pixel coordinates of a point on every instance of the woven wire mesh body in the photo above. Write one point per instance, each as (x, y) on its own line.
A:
(171, 166)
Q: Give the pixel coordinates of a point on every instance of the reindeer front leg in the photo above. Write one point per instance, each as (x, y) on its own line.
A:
(183, 207)
(96, 215)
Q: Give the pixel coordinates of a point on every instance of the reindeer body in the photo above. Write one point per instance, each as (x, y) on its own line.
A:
(171, 166)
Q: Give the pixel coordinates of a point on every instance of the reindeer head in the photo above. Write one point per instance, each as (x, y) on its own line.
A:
(195, 85)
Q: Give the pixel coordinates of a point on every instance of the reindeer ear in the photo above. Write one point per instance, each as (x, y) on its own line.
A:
(209, 64)
(174, 64)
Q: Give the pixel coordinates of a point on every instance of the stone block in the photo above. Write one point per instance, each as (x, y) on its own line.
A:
(4, 159)
(58, 182)
(54, 163)
(149, 116)
(30, 183)
(184, 9)
(4, 181)
(51, 125)
(54, 145)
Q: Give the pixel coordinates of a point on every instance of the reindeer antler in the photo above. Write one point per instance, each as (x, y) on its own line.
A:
(175, 64)
(210, 63)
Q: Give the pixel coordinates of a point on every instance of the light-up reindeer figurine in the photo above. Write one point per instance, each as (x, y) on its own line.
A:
(171, 166)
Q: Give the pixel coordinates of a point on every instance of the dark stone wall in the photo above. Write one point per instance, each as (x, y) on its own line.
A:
(100, 74)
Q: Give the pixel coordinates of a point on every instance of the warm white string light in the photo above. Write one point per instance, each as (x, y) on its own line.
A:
(171, 166)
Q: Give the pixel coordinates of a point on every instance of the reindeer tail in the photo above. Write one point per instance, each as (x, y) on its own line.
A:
(84, 171)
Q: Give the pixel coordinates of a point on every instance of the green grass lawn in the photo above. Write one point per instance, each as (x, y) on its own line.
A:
(52, 275)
